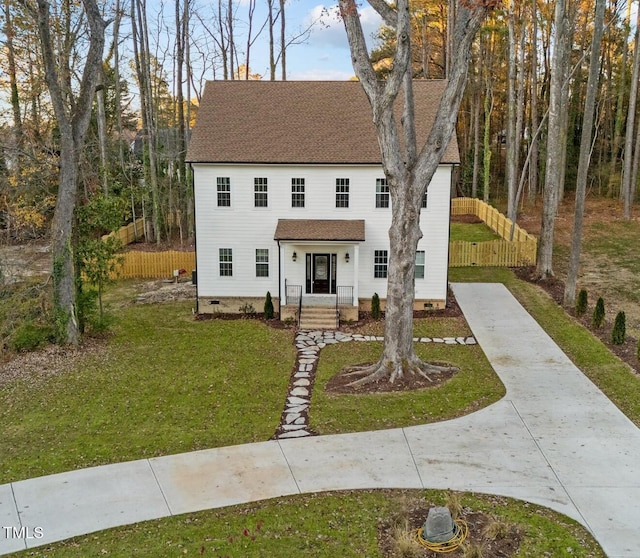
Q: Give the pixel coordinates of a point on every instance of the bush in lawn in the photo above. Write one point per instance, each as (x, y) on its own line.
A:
(29, 336)
(619, 331)
(375, 306)
(268, 307)
(581, 302)
(598, 314)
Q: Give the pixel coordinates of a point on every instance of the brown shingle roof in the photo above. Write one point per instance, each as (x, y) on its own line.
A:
(298, 122)
(320, 229)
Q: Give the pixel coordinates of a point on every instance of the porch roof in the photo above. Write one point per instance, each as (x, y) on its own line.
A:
(320, 229)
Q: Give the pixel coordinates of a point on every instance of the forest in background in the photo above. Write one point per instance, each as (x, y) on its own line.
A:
(550, 106)
(156, 62)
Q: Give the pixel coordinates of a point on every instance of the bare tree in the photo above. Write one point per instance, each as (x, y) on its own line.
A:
(626, 189)
(555, 146)
(410, 168)
(72, 113)
(585, 154)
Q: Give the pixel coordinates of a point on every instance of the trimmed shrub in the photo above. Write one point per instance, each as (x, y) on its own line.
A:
(619, 331)
(375, 307)
(268, 307)
(598, 314)
(581, 302)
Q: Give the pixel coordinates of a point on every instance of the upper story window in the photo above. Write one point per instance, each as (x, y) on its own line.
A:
(420, 264)
(260, 192)
(297, 192)
(382, 193)
(226, 262)
(262, 262)
(342, 192)
(424, 200)
(224, 191)
(380, 263)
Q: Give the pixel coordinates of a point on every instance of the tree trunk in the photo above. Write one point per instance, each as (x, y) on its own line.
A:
(408, 174)
(13, 85)
(631, 114)
(553, 174)
(72, 116)
(510, 164)
(585, 155)
(533, 165)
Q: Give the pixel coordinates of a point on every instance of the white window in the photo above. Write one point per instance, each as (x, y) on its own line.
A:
(226, 262)
(382, 192)
(380, 262)
(260, 192)
(262, 262)
(420, 264)
(424, 200)
(342, 192)
(297, 192)
(224, 191)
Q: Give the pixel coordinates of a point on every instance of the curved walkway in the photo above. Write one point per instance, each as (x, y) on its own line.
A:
(554, 439)
(294, 421)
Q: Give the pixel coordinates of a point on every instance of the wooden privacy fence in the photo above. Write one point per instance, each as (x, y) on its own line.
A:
(520, 251)
(129, 233)
(155, 265)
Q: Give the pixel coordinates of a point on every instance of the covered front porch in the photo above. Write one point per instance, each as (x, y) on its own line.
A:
(319, 266)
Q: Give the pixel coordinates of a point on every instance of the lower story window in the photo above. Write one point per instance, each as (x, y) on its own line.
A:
(420, 264)
(226, 262)
(262, 262)
(380, 262)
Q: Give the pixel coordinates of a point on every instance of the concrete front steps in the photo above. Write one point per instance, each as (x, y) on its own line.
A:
(318, 317)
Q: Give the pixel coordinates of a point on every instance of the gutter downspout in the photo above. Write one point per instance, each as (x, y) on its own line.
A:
(195, 235)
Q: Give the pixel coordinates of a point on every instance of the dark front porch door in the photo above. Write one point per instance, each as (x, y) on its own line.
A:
(321, 273)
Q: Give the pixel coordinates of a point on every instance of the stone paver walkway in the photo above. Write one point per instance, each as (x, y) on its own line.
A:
(294, 422)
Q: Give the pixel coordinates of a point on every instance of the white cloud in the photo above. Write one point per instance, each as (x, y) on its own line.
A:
(329, 31)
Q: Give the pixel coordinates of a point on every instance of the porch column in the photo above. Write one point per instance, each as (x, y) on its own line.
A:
(356, 272)
(283, 275)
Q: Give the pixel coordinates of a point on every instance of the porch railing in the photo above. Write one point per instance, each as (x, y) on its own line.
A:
(344, 295)
(293, 295)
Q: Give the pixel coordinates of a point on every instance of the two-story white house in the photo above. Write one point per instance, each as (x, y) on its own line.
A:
(291, 198)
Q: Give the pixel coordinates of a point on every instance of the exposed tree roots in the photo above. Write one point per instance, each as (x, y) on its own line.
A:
(392, 370)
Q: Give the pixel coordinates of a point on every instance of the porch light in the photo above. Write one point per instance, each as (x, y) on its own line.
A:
(294, 257)
(346, 257)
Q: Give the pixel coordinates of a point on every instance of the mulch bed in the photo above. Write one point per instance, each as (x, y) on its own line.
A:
(413, 517)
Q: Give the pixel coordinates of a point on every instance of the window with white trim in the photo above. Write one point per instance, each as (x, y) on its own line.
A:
(380, 263)
(342, 192)
(260, 198)
(382, 192)
(224, 191)
(262, 262)
(297, 192)
(424, 200)
(226, 262)
(420, 264)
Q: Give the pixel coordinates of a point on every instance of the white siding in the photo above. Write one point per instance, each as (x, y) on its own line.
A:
(243, 227)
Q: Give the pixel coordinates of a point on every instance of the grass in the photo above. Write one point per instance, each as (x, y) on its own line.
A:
(474, 387)
(315, 525)
(471, 232)
(164, 384)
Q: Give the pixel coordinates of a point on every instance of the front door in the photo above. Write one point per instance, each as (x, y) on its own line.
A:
(321, 273)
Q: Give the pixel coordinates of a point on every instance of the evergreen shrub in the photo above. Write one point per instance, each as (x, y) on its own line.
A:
(598, 314)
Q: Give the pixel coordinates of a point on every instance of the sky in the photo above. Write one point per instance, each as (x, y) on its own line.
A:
(325, 55)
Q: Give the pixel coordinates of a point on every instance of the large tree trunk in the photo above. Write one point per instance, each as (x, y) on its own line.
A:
(409, 170)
